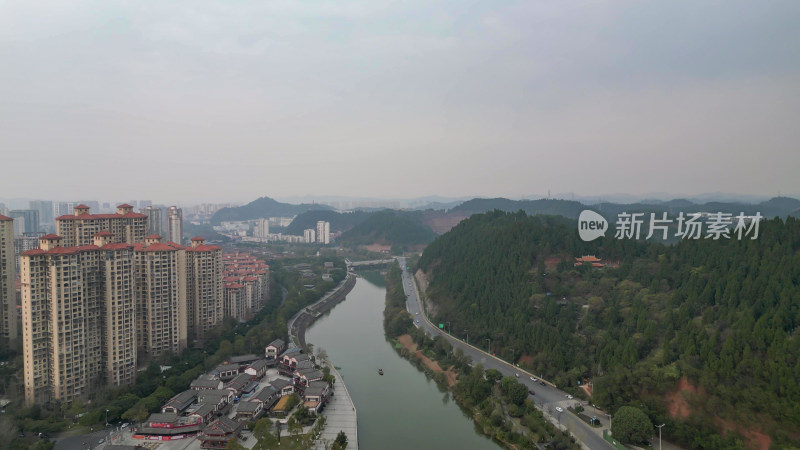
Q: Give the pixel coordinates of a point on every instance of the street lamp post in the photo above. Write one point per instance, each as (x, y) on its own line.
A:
(659, 435)
(106, 417)
(490, 345)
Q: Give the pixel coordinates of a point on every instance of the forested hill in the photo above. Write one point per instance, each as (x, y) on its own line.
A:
(704, 335)
(263, 207)
(390, 227)
(775, 207)
(338, 221)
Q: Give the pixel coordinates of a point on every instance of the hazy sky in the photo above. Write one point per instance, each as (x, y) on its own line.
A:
(216, 101)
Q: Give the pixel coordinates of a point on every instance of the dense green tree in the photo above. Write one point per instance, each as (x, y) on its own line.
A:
(493, 375)
(631, 425)
(721, 314)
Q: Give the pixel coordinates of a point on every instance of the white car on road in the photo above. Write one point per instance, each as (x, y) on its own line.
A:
(559, 409)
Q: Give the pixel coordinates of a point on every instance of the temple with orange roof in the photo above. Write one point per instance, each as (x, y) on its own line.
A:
(589, 259)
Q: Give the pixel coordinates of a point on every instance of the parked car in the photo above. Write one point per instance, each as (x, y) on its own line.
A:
(559, 409)
(569, 397)
(517, 375)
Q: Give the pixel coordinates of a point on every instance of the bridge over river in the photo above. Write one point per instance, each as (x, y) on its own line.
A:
(374, 264)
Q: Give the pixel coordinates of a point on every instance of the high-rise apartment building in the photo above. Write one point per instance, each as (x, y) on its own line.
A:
(28, 241)
(78, 317)
(79, 228)
(8, 296)
(160, 296)
(309, 236)
(262, 228)
(63, 208)
(175, 224)
(246, 285)
(46, 218)
(204, 286)
(155, 223)
(323, 232)
(30, 219)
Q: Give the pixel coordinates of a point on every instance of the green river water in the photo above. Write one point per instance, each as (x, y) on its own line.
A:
(402, 409)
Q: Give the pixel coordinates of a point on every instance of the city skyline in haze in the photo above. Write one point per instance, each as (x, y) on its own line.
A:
(214, 102)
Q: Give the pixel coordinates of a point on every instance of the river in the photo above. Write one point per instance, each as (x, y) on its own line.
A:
(402, 409)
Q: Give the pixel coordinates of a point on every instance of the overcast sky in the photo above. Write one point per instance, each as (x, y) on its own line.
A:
(228, 101)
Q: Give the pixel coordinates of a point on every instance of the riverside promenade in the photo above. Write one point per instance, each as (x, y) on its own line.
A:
(340, 413)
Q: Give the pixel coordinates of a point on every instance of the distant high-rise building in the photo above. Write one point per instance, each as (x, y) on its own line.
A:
(30, 220)
(8, 295)
(80, 227)
(175, 224)
(45, 208)
(155, 223)
(262, 228)
(204, 286)
(93, 205)
(145, 203)
(309, 236)
(3, 209)
(28, 241)
(323, 232)
(78, 317)
(63, 208)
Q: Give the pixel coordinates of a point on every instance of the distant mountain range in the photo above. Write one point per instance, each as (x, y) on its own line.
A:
(415, 227)
(778, 206)
(264, 207)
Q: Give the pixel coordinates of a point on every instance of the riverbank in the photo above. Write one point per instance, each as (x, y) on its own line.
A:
(341, 413)
(298, 324)
(409, 344)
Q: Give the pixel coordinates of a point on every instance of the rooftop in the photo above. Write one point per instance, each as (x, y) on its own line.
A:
(243, 358)
(204, 248)
(130, 215)
(248, 407)
(277, 343)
